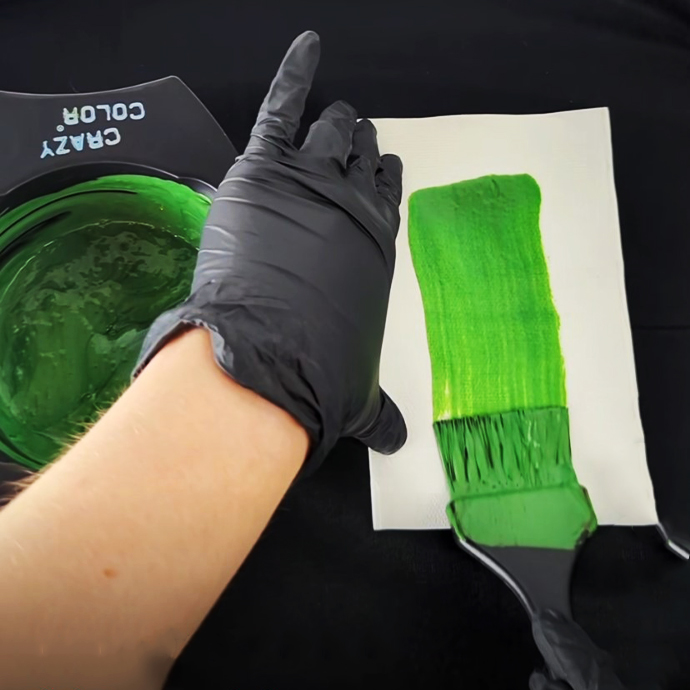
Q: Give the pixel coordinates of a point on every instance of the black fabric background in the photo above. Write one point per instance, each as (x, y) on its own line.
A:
(323, 601)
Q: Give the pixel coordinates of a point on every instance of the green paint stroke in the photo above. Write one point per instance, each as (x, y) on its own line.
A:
(498, 376)
(83, 273)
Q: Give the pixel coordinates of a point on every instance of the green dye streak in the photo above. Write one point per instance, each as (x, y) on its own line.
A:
(497, 370)
(83, 273)
(490, 317)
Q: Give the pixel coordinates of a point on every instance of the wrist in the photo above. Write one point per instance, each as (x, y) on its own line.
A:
(192, 353)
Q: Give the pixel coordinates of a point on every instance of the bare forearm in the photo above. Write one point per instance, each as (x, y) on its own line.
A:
(111, 560)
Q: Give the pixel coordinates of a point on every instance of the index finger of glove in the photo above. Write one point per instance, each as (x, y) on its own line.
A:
(280, 113)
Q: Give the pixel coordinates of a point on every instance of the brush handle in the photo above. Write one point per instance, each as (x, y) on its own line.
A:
(540, 578)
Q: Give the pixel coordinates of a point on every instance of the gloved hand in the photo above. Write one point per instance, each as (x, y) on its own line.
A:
(295, 266)
(574, 662)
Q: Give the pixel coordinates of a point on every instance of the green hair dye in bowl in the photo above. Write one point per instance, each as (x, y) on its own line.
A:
(83, 274)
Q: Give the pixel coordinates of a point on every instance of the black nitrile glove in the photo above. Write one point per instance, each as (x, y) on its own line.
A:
(295, 266)
(574, 662)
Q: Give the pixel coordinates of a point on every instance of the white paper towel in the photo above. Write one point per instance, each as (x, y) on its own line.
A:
(569, 155)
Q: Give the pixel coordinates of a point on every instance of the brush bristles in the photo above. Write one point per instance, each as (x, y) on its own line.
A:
(511, 479)
(511, 450)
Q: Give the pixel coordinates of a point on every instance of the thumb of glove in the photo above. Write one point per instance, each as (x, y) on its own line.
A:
(388, 433)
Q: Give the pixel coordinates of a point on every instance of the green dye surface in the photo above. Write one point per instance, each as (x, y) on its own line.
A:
(498, 375)
(477, 252)
(83, 273)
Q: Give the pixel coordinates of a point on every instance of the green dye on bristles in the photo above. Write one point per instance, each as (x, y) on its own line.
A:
(83, 273)
(512, 479)
(498, 375)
